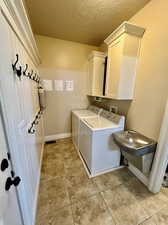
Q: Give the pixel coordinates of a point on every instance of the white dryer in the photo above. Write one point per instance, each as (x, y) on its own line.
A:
(97, 148)
(77, 115)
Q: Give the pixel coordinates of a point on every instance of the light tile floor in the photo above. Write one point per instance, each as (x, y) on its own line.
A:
(68, 197)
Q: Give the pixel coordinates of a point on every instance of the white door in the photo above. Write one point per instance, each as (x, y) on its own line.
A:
(161, 157)
(9, 205)
(11, 100)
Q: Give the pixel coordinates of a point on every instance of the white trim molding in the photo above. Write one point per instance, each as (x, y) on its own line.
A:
(57, 136)
(161, 157)
(96, 53)
(16, 16)
(125, 27)
(38, 186)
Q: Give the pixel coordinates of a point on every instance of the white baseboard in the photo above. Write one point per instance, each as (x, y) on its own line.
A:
(107, 171)
(57, 136)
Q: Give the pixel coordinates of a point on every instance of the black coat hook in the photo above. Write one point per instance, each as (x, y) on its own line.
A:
(39, 114)
(24, 72)
(31, 75)
(31, 130)
(36, 121)
(14, 65)
(17, 71)
(35, 77)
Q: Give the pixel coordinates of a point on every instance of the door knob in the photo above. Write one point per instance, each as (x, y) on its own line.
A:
(16, 181)
(10, 182)
(4, 164)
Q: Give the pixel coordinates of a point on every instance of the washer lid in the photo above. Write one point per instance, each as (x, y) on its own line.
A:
(84, 113)
(100, 123)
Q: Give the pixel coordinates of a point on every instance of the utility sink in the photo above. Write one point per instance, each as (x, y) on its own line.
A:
(100, 123)
(134, 143)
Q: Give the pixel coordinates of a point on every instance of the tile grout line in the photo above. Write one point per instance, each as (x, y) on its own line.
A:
(141, 223)
(73, 217)
(109, 210)
(152, 214)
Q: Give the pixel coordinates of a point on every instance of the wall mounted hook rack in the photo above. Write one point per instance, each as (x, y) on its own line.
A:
(19, 72)
(32, 130)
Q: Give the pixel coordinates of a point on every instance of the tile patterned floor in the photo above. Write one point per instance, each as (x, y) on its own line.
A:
(68, 197)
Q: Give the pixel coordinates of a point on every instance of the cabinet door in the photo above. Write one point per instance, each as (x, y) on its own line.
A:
(98, 75)
(90, 76)
(115, 53)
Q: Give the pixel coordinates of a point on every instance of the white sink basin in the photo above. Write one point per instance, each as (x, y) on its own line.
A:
(84, 113)
(100, 123)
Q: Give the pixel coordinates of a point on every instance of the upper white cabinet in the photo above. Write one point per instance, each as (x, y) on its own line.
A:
(96, 72)
(123, 50)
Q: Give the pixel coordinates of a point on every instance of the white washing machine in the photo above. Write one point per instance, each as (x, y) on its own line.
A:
(97, 148)
(77, 115)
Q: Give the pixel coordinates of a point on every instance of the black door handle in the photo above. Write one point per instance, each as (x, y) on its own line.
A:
(16, 181)
(10, 182)
(4, 164)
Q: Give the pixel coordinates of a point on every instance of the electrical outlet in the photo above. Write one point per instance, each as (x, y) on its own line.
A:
(98, 99)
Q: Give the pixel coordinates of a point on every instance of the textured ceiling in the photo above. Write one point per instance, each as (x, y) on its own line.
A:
(84, 21)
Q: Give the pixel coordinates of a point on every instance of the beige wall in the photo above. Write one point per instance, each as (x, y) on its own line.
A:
(145, 113)
(151, 92)
(67, 60)
(63, 60)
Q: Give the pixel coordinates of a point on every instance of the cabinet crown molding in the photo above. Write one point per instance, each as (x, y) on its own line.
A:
(96, 53)
(125, 27)
(17, 18)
